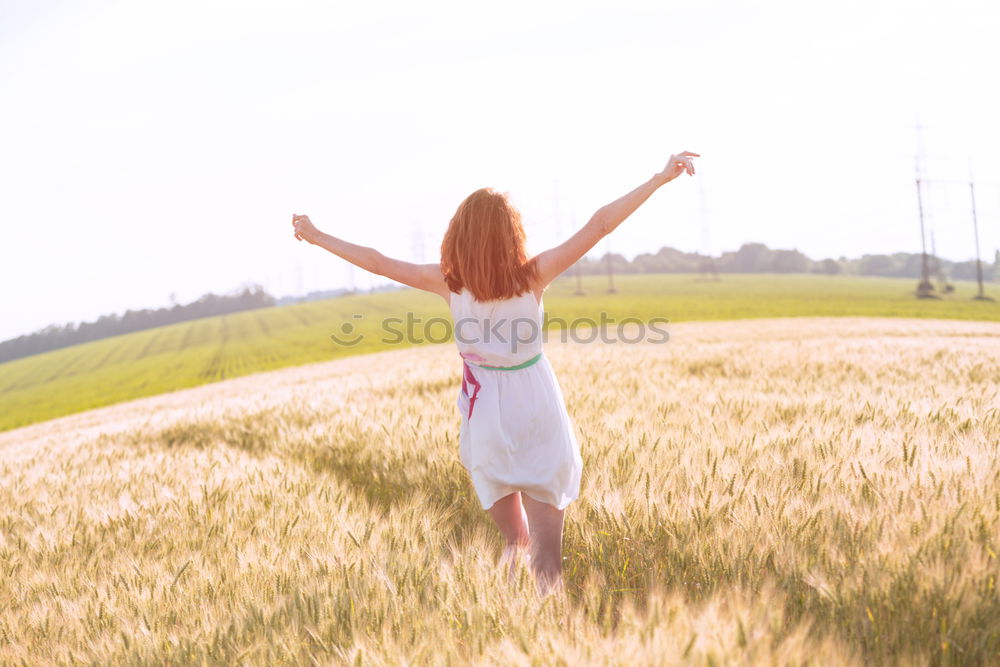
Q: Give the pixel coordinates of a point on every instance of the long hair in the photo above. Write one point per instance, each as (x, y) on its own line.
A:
(484, 250)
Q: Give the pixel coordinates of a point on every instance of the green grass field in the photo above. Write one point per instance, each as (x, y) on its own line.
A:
(183, 355)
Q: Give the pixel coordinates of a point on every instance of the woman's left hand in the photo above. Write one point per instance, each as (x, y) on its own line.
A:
(304, 228)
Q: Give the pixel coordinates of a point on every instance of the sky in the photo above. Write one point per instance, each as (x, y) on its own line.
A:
(152, 151)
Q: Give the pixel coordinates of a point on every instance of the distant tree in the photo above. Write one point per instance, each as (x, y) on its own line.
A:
(750, 258)
(667, 260)
(876, 265)
(828, 266)
(964, 270)
(618, 263)
(789, 261)
(911, 265)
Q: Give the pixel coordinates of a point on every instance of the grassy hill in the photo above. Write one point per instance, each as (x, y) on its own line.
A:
(183, 355)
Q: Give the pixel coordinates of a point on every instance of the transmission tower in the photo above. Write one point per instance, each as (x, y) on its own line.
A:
(925, 290)
(975, 229)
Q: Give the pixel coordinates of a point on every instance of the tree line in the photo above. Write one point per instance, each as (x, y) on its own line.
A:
(758, 258)
(56, 336)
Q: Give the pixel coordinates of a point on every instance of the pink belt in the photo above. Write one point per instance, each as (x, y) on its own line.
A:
(469, 379)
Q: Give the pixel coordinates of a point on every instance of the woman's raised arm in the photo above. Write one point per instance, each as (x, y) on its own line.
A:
(422, 276)
(554, 261)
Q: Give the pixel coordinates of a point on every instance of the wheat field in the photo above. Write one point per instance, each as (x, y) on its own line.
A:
(773, 491)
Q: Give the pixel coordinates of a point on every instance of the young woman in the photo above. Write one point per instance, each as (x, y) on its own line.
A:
(516, 439)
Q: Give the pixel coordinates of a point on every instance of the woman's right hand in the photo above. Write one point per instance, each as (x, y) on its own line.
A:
(677, 165)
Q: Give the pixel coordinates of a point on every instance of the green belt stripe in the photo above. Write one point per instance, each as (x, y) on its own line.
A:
(512, 368)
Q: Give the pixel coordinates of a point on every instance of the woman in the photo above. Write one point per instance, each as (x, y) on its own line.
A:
(516, 439)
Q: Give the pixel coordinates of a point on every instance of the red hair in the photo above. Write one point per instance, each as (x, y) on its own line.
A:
(484, 249)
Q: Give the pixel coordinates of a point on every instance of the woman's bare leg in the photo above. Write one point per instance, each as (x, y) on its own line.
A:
(510, 517)
(545, 526)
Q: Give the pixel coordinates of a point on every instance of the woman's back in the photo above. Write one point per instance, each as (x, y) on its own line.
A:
(503, 332)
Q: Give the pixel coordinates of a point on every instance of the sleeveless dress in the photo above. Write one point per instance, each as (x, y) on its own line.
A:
(516, 434)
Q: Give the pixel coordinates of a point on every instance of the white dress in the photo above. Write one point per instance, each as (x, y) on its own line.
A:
(516, 434)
